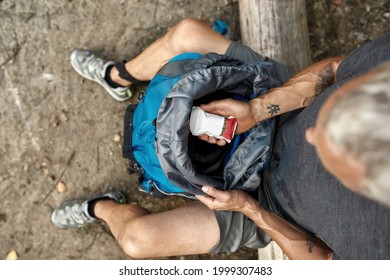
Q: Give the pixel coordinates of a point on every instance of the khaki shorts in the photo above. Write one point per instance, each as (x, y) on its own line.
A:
(237, 231)
(246, 54)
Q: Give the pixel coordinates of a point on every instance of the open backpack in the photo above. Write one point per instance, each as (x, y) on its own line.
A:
(157, 140)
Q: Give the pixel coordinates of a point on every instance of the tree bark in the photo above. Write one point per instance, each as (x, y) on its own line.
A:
(277, 29)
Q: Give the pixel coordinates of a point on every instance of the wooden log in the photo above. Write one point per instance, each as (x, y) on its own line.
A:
(277, 29)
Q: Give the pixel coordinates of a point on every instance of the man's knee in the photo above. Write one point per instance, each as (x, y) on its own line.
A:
(182, 32)
(189, 24)
(134, 239)
(133, 249)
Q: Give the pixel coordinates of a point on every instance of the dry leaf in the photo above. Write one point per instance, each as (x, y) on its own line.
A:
(12, 256)
(61, 187)
(117, 138)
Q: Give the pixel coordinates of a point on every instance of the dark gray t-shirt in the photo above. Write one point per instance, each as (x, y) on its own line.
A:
(354, 227)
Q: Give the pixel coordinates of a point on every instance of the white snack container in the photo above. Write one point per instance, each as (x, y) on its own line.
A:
(213, 125)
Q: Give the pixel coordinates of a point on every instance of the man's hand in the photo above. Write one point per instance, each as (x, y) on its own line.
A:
(233, 200)
(230, 107)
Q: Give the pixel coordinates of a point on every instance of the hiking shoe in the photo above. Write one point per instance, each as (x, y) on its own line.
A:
(75, 213)
(93, 68)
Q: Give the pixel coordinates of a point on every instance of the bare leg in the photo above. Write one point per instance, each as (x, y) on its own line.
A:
(189, 35)
(186, 230)
(192, 228)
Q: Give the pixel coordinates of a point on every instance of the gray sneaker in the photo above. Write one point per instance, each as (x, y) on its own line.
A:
(74, 213)
(93, 68)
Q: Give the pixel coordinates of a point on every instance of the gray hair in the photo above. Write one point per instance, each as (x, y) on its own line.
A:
(359, 123)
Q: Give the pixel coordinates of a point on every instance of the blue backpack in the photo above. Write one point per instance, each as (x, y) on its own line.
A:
(166, 157)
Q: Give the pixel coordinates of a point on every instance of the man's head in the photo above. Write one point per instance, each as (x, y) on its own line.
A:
(352, 134)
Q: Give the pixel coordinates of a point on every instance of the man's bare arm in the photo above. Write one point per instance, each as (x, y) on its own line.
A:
(298, 92)
(295, 242)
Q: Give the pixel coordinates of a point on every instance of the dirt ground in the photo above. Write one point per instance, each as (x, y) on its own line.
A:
(57, 127)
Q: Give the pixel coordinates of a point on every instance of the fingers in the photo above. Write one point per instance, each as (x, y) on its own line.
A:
(204, 137)
(222, 200)
(210, 107)
(210, 201)
(207, 200)
(211, 191)
(221, 142)
(217, 194)
(212, 140)
(218, 107)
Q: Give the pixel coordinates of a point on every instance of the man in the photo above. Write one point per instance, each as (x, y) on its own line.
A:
(306, 210)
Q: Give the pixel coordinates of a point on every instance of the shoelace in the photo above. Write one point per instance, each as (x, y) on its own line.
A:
(76, 214)
(93, 65)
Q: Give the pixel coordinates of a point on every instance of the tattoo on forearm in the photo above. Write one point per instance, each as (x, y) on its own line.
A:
(273, 109)
(310, 243)
(326, 78)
